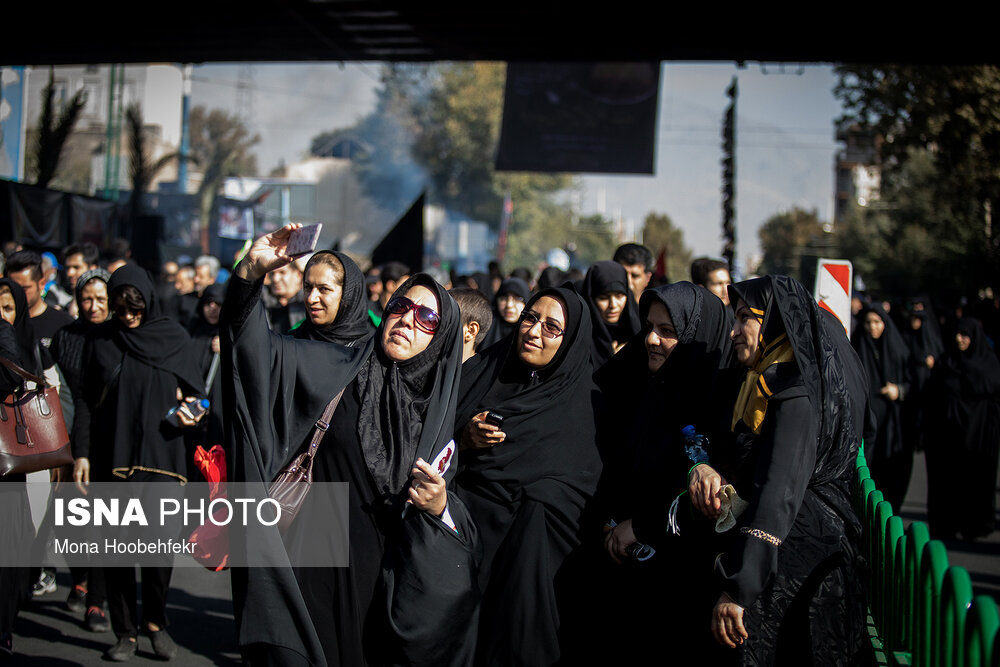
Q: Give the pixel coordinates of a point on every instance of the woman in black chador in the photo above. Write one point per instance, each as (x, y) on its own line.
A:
(668, 377)
(613, 310)
(886, 360)
(396, 413)
(528, 482)
(791, 586)
(963, 435)
(333, 290)
(508, 303)
(922, 334)
(133, 366)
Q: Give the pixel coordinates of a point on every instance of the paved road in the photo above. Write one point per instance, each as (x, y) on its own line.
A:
(200, 611)
(199, 608)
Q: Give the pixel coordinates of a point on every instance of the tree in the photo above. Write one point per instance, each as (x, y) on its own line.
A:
(661, 236)
(221, 145)
(53, 130)
(941, 164)
(142, 168)
(785, 237)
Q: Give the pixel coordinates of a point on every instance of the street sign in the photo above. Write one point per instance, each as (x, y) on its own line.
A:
(833, 288)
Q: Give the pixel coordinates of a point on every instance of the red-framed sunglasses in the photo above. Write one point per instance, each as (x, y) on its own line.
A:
(424, 317)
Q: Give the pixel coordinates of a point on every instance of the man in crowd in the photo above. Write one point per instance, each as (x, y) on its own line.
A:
(393, 274)
(283, 298)
(206, 271)
(25, 269)
(713, 275)
(638, 262)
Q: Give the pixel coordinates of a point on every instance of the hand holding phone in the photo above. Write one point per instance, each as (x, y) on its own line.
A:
(303, 241)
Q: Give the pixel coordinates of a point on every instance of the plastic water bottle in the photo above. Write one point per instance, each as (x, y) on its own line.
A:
(192, 410)
(695, 444)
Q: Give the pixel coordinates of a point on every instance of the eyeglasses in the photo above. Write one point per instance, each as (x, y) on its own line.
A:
(425, 318)
(549, 330)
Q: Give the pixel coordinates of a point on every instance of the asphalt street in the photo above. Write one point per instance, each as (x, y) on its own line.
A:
(201, 616)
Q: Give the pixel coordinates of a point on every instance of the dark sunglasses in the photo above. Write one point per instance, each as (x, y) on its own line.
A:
(425, 318)
(549, 330)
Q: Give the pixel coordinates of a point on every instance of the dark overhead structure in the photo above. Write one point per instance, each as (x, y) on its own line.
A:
(40, 33)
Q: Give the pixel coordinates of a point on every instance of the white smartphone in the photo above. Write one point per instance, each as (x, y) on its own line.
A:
(303, 240)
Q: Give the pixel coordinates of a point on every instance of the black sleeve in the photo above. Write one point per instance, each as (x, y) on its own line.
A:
(9, 380)
(786, 458)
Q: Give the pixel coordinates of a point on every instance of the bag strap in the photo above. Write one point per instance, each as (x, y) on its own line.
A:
(40, 381)
(322, 424)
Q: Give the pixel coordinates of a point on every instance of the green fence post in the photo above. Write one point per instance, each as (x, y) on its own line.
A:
(933, 564)
(892, 599)
(917, 536)
(882, 513)
(981, 627)
(956, 596)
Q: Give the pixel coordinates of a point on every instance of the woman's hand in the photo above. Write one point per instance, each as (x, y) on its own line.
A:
(60, 475)
(619, 538)
(267, 253)
(480, 435)
(705, 485)
(215, 347)
(890, 391)
(184, 418)
(428, 491)
(81, 474)
(727, 622)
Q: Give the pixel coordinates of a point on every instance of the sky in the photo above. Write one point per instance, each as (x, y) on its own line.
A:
(785, 146)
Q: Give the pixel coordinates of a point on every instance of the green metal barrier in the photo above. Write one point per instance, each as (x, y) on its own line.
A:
(981, 626)
(956, 596)
(921, 611)
(933, 564)
(892, 585)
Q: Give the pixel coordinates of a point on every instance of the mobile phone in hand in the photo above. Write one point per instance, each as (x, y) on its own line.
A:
(302, 241)
(494, 418)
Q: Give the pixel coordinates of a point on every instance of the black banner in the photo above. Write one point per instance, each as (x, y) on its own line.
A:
(580, 118)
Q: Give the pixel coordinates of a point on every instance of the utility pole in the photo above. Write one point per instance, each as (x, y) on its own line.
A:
(185, 133)
(729, 177)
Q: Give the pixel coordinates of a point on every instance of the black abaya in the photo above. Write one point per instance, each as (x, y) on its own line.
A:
(277, 387)
(793, 564)
(886, 360)
(963, 416)
(530, 493)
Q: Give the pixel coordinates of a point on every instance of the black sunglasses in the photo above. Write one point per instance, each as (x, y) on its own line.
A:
(424, 317)
(549, 330)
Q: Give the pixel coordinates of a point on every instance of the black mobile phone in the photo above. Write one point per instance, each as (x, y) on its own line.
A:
(494, 418)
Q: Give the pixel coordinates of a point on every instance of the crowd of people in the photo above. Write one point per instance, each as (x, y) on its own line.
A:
(625, 466)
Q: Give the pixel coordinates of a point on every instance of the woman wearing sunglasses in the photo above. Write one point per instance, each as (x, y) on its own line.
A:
(395, 414)
(527, 483)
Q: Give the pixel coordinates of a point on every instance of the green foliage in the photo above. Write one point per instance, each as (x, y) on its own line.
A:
(940, 173)
(786, 237)
(142, 168)
(660, 235)
(53, 131)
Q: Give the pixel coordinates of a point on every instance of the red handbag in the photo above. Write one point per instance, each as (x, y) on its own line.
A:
(33, 432)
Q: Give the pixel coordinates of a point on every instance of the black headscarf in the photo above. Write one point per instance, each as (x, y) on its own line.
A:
(35, 358)
(977, 367)
(405, 406)
(351, 326)
(154, 360)
(67, 343)
(820, 352)
(549, 414)
(501, 328)
(886, 359)
(603, 277)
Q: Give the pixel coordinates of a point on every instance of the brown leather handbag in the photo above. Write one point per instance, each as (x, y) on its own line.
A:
(291, 485)
(33, 432)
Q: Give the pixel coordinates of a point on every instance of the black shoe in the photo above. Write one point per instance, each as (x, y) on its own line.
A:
(77, 599)
(163, 646)
(123, 650)
(96, 620)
